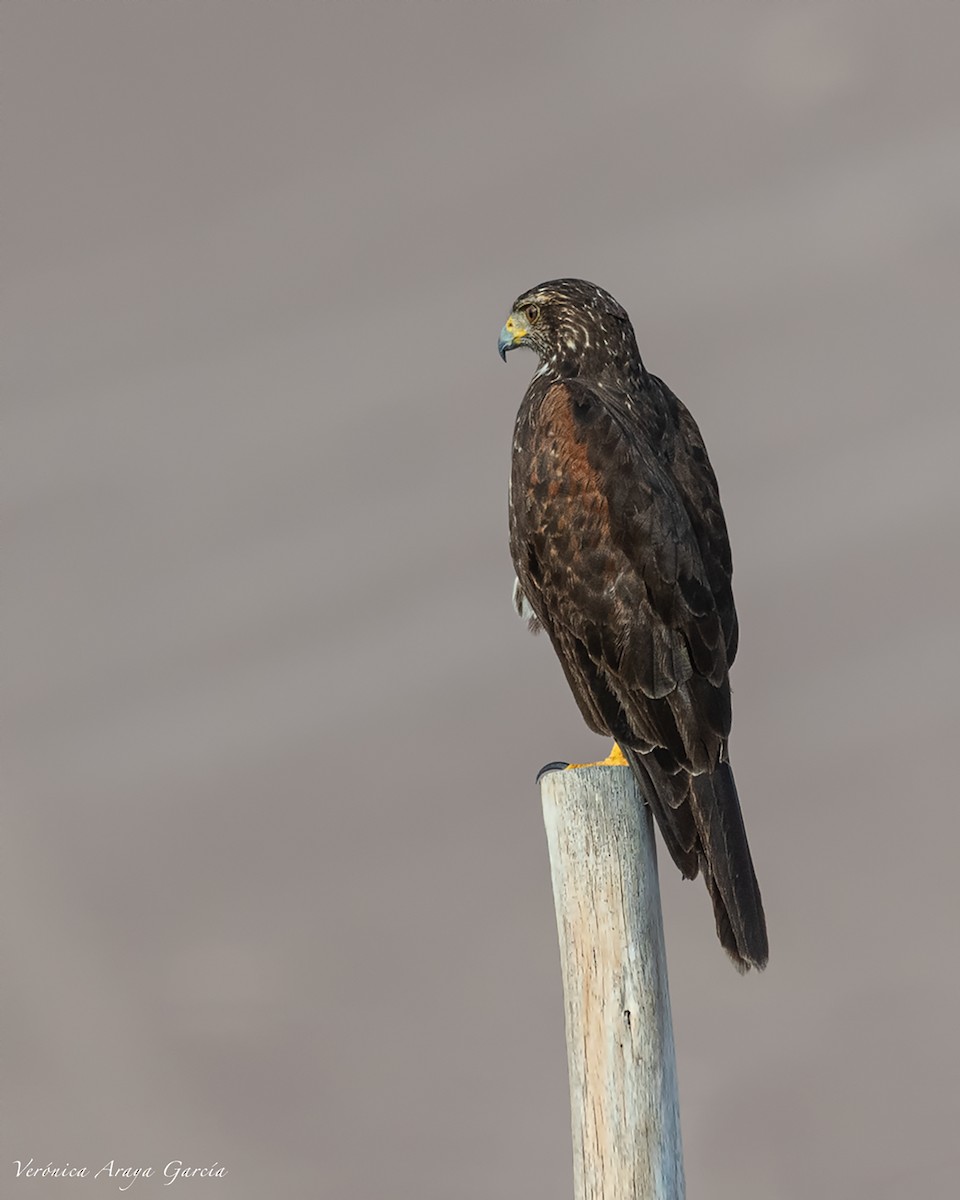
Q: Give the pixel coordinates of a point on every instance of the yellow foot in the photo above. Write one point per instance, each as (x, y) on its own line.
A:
(614, 759)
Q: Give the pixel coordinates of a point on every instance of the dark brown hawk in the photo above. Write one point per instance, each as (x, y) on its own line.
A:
(621, 554)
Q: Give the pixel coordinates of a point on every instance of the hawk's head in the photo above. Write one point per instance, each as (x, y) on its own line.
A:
(576, 329)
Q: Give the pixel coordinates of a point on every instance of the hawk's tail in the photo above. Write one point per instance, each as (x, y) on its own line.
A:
(728, 868)
(700, 820)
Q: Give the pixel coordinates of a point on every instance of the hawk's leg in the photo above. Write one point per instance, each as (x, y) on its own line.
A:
(614, 759)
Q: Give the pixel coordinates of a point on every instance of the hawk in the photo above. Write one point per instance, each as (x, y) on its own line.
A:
(622, 556)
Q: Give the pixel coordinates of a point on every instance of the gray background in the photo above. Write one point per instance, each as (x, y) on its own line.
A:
(276, 886)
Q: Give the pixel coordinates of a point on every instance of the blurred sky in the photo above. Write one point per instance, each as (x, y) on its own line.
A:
(276, 884)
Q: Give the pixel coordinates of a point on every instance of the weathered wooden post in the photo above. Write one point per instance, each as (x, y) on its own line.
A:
(625, 1116)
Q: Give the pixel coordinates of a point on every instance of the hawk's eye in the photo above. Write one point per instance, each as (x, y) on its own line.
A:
(532, 313)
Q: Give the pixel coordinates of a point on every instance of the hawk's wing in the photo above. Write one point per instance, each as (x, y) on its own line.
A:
(697, 487)
(611, 562)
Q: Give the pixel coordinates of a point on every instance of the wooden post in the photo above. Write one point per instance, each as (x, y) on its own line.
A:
(623, 1078)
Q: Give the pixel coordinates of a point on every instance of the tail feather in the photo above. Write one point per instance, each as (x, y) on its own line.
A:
(701, 823)
(728, 867)
(676, 822)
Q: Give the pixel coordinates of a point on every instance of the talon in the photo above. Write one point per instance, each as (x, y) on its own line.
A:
(551, 766)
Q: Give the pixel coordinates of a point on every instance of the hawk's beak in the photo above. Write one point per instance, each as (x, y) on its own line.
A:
(512, 334)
